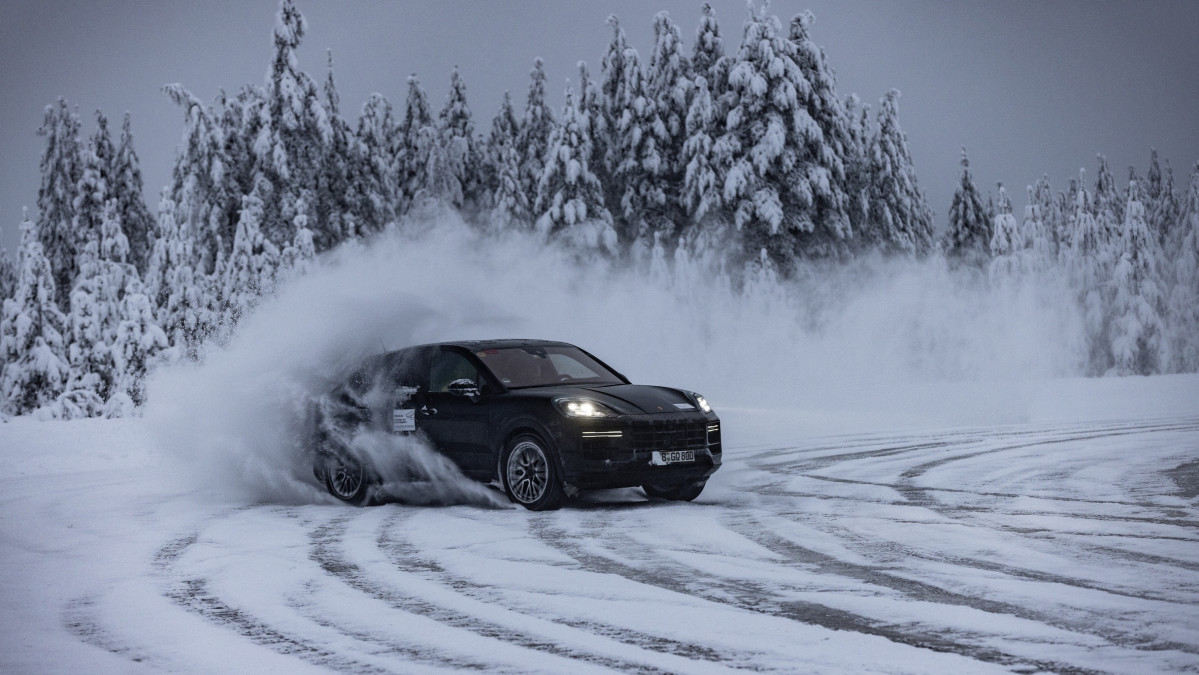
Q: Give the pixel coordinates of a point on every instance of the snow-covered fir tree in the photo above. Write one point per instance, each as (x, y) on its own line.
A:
(1051, 211)
(8, 276)
(410, 150)
(335, 181)
(290, 147)
(61, 169)
(1162, 204)
(1090, 264)
(701, 193)
(184, 298)
(457, 131)
(532, 139)
(31, 343)
(94, 189)
(708, 48)
(1107, 202)
(198, 189)
(1183, 303)
(570, 198)
(897, 206)
(299, 256)
(1039, 254)
(375, 189)
(1138, 341)
(508, 202)
(252, 267)
(669, 87)
(968, 235)
(839, 147)
(139, 341)
(127, 188)
(635, 157)
(857, 170)
(779, 174)
(1006, 240)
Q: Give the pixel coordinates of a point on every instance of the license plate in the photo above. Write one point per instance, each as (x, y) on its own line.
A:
(672, 457)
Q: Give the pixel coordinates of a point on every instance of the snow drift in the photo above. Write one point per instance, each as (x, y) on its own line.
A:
(849, 342)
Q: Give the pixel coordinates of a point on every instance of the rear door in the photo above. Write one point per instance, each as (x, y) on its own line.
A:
(456, 424)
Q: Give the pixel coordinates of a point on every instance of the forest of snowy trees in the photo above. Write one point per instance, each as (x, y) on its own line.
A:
(741, 152)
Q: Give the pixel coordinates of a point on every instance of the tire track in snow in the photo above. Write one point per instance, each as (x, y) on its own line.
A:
(405, 555)
(324, 550)
(762, 599)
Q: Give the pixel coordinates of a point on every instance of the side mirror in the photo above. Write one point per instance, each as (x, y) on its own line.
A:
(465, 388)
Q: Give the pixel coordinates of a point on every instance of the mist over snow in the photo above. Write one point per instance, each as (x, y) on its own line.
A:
(849, 348)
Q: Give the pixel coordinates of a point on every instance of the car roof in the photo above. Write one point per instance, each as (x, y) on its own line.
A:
(507, 343)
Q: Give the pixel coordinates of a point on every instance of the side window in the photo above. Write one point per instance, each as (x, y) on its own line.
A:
(450, 366)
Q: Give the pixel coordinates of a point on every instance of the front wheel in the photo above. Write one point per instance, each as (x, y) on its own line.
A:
(348, 480)
(531, 475)
(675, 493)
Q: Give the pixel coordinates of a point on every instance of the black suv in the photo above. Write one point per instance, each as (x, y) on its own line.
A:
(543, 419)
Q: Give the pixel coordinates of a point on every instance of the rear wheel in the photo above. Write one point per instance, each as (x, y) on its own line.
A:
(348, 480)
(675, 493)
(531, 475)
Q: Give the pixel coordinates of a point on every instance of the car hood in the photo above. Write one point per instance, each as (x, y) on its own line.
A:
(640, 398)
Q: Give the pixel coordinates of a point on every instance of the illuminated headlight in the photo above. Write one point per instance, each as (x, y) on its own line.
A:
(703, 403)
(582, 407)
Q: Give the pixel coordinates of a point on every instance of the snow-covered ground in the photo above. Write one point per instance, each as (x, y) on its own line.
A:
(1068, 541)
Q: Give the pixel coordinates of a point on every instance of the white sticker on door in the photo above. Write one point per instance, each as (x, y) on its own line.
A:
(403, 419)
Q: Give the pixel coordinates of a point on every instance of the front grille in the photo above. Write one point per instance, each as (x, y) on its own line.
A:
(650, 435)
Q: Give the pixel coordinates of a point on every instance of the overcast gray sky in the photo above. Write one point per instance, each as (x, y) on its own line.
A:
(1029, 87)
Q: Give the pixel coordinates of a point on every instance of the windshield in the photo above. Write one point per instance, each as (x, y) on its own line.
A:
(519, 367)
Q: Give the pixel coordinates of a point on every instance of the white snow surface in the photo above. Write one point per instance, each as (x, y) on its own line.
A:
(869, 517)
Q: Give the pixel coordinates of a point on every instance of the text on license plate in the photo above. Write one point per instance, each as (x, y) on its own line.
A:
(672, 457)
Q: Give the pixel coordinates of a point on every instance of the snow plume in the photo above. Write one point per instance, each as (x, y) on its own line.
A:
(847, 344)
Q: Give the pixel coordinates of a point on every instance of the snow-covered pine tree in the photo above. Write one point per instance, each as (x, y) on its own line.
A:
(411, 156)
(127, 188)
(138, 343)
(701, 181)
(181, 296)
(335, 181)
(1162, 205)
(1050, 209)
(613, 98)
(532, 140)
(570, 198)
(1090, 263)
(509, 204)
(780, 174)
(1183, 312)
(198, 189)
(34, 368)
(968, 236)
(375, 192)
(298, 258)
(591, 104)
(94, 189)
(897, 205)
(252, 267)
(239, 122)
(838, 147)
(1006, 240)
(457, 132)
(1039, 254)
(636, 160)
(669, 86)
(709, 45)
(1106, 202)
(440, 186)
(61, 167)
(857, 170)
(1138, 341)
(291, 144)
(8, 276)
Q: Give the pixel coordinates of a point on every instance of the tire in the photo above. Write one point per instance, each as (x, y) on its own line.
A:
(675, 493)
(348, 480)
(530, 474)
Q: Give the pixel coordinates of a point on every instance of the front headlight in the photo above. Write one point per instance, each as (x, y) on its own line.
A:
(703, 403)
(574, 406)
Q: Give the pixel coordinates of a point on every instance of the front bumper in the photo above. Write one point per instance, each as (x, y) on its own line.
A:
(617, 452)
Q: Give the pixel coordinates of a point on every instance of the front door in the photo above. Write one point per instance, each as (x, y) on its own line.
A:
(456, 424)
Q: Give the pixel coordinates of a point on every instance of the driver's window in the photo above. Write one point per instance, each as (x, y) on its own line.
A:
(448, 367)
